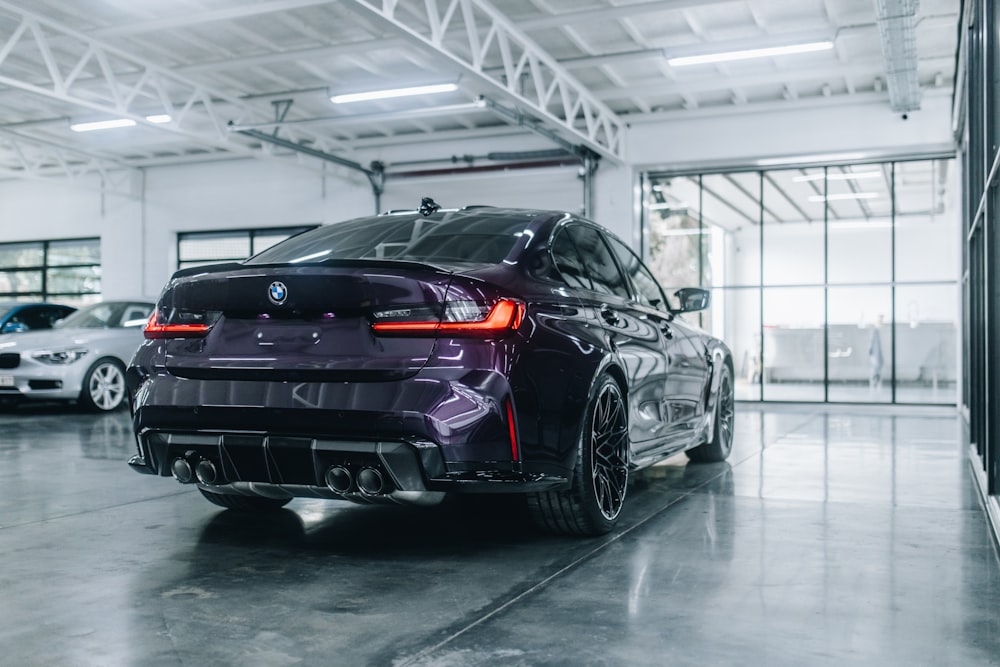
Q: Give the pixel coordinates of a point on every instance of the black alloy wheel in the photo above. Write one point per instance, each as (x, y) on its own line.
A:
(609, 451)
(600, 479)
(721, 445)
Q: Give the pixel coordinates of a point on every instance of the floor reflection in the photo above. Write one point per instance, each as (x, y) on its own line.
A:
(829, 538)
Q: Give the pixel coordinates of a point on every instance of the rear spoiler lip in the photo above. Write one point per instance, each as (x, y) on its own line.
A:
(443, 267)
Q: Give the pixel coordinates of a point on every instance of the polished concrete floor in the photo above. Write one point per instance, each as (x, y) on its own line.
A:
(828, 539)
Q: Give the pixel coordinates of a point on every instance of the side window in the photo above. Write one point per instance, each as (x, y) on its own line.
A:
(648, 290)
(596, 257)
(35, 318)
(567, 260)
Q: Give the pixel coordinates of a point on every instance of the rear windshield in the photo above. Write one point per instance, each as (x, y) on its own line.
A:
(453, 236)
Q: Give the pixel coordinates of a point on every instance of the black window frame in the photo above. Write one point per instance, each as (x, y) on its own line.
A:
(44, 293)
(251, 233)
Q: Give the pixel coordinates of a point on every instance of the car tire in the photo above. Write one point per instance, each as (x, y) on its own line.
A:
(721, 445)
(593, 503)
(254, 504)
(103, 387)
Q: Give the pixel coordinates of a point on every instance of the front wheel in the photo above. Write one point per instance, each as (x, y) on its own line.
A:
(254, 504)
(721, 445)
(103, 386)
(592, 504)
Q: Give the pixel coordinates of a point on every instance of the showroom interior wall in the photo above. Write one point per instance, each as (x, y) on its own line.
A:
(138, 235)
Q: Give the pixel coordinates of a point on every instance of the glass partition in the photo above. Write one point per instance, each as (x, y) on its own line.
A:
(829, 283)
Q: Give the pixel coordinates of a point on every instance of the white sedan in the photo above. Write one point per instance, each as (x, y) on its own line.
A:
(83, 359)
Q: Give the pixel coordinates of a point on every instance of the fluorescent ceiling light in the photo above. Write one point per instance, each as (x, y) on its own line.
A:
(845, 195)
(114, 123)
(102, 125)
(394, 92)
(854, 176)
(747, 54)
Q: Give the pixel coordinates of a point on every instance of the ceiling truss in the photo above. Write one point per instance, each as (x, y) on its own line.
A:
(473, 35)
(38, 160)
(107, 81)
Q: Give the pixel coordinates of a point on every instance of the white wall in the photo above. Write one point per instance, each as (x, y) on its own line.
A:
(678, 140)
(139, 236)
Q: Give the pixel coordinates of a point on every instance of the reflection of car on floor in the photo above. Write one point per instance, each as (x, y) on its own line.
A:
(82, 359)
(18, 317)
(403, 356)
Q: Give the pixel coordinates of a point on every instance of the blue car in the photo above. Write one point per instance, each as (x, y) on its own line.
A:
(18, 317)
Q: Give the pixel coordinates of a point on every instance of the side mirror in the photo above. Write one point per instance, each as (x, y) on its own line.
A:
(14, 327)
(692, 299)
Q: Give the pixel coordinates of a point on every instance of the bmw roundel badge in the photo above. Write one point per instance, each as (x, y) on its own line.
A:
(277, 292)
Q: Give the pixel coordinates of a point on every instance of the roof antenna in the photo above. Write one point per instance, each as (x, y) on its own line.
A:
(428, 206)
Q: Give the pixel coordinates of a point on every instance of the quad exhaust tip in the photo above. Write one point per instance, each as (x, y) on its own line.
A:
(182, 470)
(371, 482)
(339, 479)
(203, 471)
(206, 472)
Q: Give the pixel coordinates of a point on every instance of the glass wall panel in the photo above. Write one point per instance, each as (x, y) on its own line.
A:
(234, 245)
(735, 317)
(859, 210)
(75, 279)
(213, 246)
(793, 344)
(793, 227)
(836, 253)
(76, 251)
(262, 242)
(731, 217)
(673, 234)
(927, 239)
(859, 347)
(15, 282)
(15, 255)
(926, 343)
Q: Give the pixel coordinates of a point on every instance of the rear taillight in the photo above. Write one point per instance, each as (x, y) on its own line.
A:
(459, 318)
(179, 324)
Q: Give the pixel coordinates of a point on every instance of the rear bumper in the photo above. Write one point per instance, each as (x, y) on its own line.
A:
(288, 466)
(441, 430)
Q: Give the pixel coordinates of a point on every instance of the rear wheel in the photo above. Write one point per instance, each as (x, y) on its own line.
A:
(255, 504)
(592, 504)
(722, 438)
(103, 386)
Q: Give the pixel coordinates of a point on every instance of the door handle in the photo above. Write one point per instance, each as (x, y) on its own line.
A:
(609, 316)
(667, 332)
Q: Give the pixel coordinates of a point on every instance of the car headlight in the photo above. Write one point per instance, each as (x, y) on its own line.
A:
(59, 357)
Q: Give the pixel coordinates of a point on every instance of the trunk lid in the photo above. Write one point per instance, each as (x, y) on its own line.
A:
(302, 323)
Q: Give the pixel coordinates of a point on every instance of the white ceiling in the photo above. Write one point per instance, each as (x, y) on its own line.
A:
(575, 70)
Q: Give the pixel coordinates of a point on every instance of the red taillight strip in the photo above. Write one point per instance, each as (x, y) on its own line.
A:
(504, 315)
(156, 330)
(512, 431)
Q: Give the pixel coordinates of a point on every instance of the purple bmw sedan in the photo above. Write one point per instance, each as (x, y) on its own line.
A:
(400, 357)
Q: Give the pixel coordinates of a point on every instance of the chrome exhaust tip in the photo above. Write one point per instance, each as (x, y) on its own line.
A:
(371, 482)
(338, 479)
(206, 472)
(182, 470)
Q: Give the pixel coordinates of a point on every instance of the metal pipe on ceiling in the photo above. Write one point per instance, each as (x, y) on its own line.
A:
(897, 20)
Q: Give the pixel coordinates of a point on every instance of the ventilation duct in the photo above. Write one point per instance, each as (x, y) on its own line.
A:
(897, 21)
